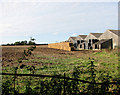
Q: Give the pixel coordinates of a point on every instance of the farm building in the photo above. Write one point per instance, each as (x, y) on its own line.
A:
(108, 39)
(72, 40)
(111, 34)
(91, 39)
(80, 41)
(102, 44)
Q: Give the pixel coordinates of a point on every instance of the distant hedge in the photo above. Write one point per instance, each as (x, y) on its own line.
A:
(21, 45)
(31, 42)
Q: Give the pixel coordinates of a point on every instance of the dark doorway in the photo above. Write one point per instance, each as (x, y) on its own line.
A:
(84, 45)
(80, 46)
(78, 42)
(96, 46)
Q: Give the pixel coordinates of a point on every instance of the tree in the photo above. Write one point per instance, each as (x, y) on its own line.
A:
(24, 42)
(31, 42)
(17, 43)
(32, 39)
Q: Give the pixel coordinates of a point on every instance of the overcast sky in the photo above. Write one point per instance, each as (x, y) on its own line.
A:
(50, 22)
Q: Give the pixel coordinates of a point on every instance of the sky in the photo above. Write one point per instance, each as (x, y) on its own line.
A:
(51, 22)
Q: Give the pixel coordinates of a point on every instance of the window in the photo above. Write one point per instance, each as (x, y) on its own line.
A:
(95, 40)
(89, 44)
(82, 41)
(80, 46)
(89, 40)
(78, 42)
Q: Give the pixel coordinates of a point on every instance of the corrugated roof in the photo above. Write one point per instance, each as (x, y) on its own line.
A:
(83, 36)
(117, 32)
(97, 35)
(101, 41)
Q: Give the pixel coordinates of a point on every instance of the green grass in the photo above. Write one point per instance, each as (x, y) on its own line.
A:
(51, 64)
(104, 61)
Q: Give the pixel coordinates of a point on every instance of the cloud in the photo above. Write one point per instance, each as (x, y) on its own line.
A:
(3, 27)
(25, 19)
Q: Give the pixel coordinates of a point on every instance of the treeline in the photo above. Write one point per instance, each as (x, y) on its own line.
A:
(24, 43)
(30, 42)
(20, 43)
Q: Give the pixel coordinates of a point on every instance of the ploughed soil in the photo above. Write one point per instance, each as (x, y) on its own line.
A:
(10, 54)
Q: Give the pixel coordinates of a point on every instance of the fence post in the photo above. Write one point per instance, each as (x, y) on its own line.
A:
(64, 85)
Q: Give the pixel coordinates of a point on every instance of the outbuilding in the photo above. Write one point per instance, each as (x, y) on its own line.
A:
(112, 34)
(91, 39)
(103, 44)
(80, 41)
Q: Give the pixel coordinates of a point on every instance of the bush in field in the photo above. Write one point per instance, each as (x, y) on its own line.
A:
(6, 86)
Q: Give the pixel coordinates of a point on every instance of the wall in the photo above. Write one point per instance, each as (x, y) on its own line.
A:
(78, 38)
(63, 45)
(72, 40)
(89, 44)
(90, 36)
(109, 35)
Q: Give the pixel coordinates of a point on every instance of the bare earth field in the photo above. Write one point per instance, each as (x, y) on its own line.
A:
(48, 60)
(11, 53)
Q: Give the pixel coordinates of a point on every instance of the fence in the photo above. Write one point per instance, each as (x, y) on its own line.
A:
(56, 76)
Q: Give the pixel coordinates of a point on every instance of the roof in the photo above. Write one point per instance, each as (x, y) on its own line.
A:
(73, 38)
(117, 32)
(97, 35)
(101, 41)
(83, 36)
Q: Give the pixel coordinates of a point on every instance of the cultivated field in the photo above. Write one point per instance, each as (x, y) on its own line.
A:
(57, 62)
(61, 61)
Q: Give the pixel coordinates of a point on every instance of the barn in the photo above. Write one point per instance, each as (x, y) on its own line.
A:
(103, 44)
(114, 35)
(80, 41)
(109, 39)
(72, 40)
(91, 39)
